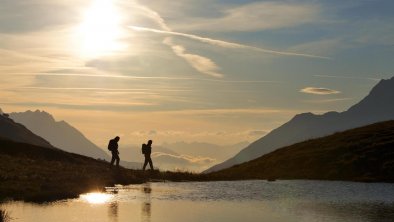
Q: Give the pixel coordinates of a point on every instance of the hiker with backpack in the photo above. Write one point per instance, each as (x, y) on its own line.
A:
(147, 150)
(113, 147)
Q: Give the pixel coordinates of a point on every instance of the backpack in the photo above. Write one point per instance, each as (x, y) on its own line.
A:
(143, 148)
(110, 146)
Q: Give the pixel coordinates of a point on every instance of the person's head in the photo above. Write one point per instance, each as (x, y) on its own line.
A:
(150, 142)
(117, 138)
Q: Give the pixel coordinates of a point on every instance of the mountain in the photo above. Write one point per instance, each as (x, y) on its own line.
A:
(63, 135)
(361, 154)
(215, 151)
(19, 133)
(194, 156)
(59, 133)
(377, 106)
(163, 158)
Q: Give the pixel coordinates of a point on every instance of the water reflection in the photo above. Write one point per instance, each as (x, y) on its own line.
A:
(146, 207)
(246, 201)
(96, 198)
(113, 211)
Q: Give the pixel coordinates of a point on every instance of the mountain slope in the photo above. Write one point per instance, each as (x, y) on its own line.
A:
(19, 133)
(35, 173)
(376, 107)
(361, 154)
(60, 134)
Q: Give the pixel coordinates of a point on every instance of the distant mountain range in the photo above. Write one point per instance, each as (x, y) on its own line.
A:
(193, 156)
(188, 156)
(59, 133)
(19, 133)
(63, 136)
(377, 106)
(361, 154)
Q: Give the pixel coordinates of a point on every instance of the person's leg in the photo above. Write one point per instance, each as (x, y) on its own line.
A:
(150, 163)
(112, 160)
(145, 163)
(117, 160)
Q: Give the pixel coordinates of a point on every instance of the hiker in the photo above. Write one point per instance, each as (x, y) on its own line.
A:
(113, 147)
(147, 150)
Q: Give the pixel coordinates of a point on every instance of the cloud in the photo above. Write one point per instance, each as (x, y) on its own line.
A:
(254, 133)
(225, 44)
(348, 77)
(200, 63)
(319, 91)
(33, 15)
(187, 158)
(327, 100)
(321, 47)
(255, 16)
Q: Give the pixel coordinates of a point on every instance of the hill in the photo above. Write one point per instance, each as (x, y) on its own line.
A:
(35, 173)
(64, 136)
(375, 107)
(59, 133)
(19, 133)
(361, 154)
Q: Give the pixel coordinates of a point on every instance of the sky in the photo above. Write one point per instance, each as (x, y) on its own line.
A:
(210, 71)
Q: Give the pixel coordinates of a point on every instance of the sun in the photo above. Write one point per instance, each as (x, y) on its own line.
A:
(96, 198)
(100, 31)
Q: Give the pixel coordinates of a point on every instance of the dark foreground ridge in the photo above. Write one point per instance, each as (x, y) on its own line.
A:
(38, 174)
(361, 154)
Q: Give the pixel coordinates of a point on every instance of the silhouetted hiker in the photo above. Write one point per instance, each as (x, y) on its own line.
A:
(113, 147)
(147, 150)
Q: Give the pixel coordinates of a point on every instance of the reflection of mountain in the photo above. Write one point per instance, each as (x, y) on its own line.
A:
(377, 106)
(361, 154)
(19, 133)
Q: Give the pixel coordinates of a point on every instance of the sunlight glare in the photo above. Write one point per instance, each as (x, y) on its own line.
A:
(100, 32)
(96, 198)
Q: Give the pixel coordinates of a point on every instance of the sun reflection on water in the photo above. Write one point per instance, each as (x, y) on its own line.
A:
(96, 198)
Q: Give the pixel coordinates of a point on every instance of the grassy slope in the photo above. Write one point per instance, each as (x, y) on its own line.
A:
(34, 173)
(362, 154)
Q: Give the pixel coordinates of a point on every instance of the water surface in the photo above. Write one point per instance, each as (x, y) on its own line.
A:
(245, 201)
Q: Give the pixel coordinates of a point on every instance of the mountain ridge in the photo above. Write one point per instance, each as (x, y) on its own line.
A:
(375, 107)
(9, 129)
(59, 133)
(361, 154)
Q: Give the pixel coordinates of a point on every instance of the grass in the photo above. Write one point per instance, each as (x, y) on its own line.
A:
(361, 154)
(38, 174)
(4, 216)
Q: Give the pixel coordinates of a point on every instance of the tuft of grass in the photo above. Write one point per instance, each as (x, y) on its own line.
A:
(4, 216)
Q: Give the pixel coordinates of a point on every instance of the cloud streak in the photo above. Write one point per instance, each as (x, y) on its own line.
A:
(319, 91)
(188, 158)
(225, 44)
(347, 77)
(200, 63)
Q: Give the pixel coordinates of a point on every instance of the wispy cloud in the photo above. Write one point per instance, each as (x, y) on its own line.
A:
(327, 100)
(256, 16)
(114, 76)
(347, 77)
(319, 91)
(200, 63)
(225, 44)
(188, 158)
